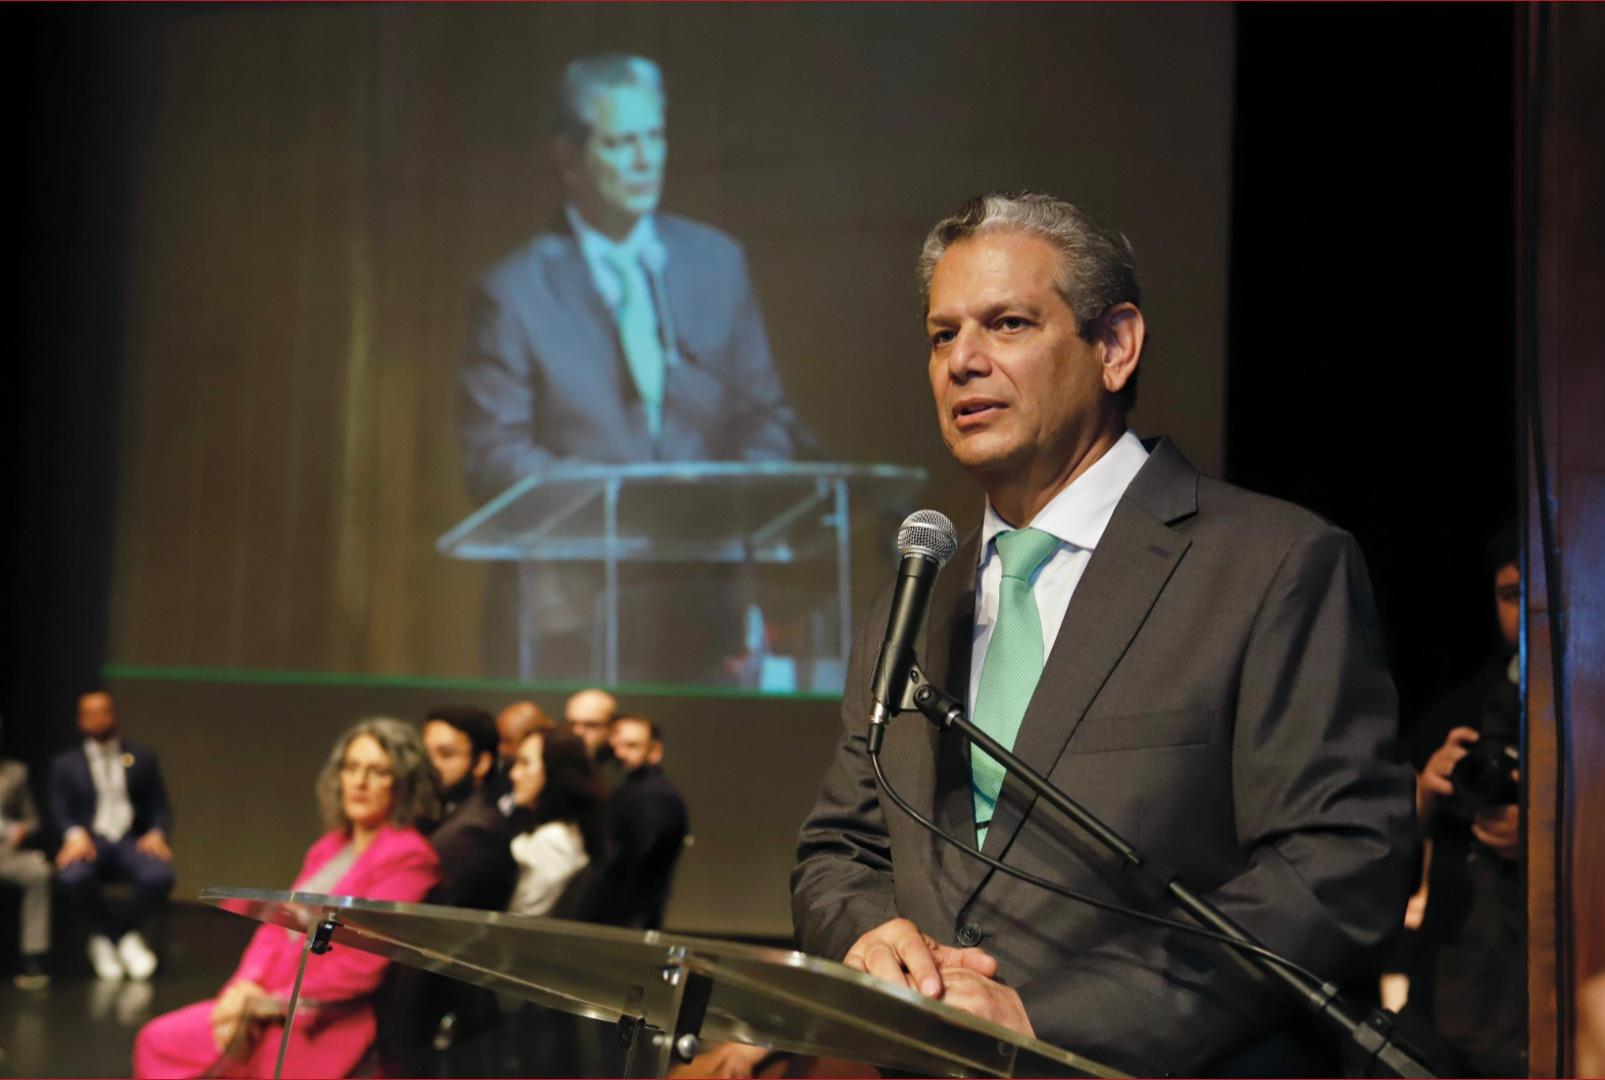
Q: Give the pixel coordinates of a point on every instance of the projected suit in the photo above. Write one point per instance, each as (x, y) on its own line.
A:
(545, 378)
(545, 381)
(621, 335)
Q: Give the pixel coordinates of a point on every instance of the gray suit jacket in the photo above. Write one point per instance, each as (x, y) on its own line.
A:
(17, 805)
(1217, 693)
(545, 380)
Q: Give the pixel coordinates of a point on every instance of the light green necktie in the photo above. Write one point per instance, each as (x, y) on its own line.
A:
(638, 333)
(1013, 663)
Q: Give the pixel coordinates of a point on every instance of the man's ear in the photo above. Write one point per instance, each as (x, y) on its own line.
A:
(1120, 338)
(654, 756)
(483, 764)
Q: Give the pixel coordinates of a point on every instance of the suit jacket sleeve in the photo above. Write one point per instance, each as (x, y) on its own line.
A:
(64, 808)
(496, 398)
(1323, 811)
(157, 812)
(841, 887)
(20, 807)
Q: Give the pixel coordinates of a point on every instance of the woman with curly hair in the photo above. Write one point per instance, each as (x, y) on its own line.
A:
(374, 786)
(554, 780)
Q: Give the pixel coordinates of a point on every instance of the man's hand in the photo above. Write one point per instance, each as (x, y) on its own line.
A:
(987, 998)
(76, 846)
(154, 844)
(897, 952)
(1499, 827)
(728, 1061)
(1432, 783)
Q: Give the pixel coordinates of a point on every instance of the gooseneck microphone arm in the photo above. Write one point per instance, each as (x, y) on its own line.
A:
(1374, 1034)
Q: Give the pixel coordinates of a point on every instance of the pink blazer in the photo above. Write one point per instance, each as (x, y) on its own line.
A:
(330, 1041)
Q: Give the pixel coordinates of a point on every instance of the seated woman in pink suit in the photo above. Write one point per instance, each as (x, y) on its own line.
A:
(375, 784)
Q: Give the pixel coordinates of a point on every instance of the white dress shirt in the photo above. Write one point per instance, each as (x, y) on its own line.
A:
(114, 814)
(642, 245)
(1078, 516)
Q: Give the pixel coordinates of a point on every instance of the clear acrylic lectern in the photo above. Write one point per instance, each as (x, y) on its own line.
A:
(666, 993)
(681, 512)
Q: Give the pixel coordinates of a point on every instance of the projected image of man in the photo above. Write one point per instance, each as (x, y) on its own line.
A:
(619, 334)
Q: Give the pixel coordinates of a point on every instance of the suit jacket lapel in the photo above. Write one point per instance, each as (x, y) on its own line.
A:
(574, 292)
(1134, 559)
(950, 634)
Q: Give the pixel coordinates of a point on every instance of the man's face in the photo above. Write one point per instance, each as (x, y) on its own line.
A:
(1507, 601)
(96, 720)
(1016, 388)
(588, 714)
(633, 745)
(450, 752)
(512, 725)
(617, 176)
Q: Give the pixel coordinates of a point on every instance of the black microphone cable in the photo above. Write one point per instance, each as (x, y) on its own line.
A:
(1084, 898)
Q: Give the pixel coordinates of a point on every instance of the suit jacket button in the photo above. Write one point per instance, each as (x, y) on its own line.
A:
(969, 935)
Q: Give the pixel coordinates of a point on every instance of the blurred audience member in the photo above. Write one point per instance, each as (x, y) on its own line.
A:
(647, 826)
(110, 804)
(476, 868)
(27, 870)
(553, 778)
(375, 784)
(589, 714)
(512, 724)
(1469, 977)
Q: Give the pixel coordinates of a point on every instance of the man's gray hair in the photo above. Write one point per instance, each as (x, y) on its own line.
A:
(1097, 266)
(412, 786)
(589, 77)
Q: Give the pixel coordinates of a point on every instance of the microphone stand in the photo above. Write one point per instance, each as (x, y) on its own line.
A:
(1373, 1034)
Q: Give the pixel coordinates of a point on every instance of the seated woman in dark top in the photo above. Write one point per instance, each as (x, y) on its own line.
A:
(375, 784)
(554, 780)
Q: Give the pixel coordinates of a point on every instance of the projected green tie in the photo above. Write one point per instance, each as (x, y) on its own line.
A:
(1013, 662)
(638, 333)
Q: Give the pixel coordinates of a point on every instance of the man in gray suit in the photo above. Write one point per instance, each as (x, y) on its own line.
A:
(619, 335)
(26, 869)
(1197, 665)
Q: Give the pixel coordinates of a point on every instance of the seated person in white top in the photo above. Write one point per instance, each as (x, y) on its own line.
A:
(553, 780)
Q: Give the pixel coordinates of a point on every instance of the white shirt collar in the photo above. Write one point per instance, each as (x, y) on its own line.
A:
(597, 247)
(111, 748)
(1079, 514)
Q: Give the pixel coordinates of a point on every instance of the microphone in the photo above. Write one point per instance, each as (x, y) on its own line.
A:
(926, 541)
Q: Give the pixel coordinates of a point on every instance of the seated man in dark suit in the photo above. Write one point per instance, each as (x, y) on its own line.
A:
(476, 866)
(618, 334)
(647, 826)
(110, 804)
(422, 1011)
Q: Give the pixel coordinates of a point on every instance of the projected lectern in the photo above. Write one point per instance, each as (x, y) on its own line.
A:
(667, 994)
(682, 512)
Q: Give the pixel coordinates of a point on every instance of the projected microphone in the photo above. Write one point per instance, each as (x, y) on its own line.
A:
(926, 541)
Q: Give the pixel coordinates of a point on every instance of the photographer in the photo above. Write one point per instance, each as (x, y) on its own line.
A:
(1469, 982)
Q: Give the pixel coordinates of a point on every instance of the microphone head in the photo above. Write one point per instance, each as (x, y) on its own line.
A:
(928, 533)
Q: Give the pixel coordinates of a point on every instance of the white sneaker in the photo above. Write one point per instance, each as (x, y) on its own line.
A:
(138, 960)
(104, 959)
